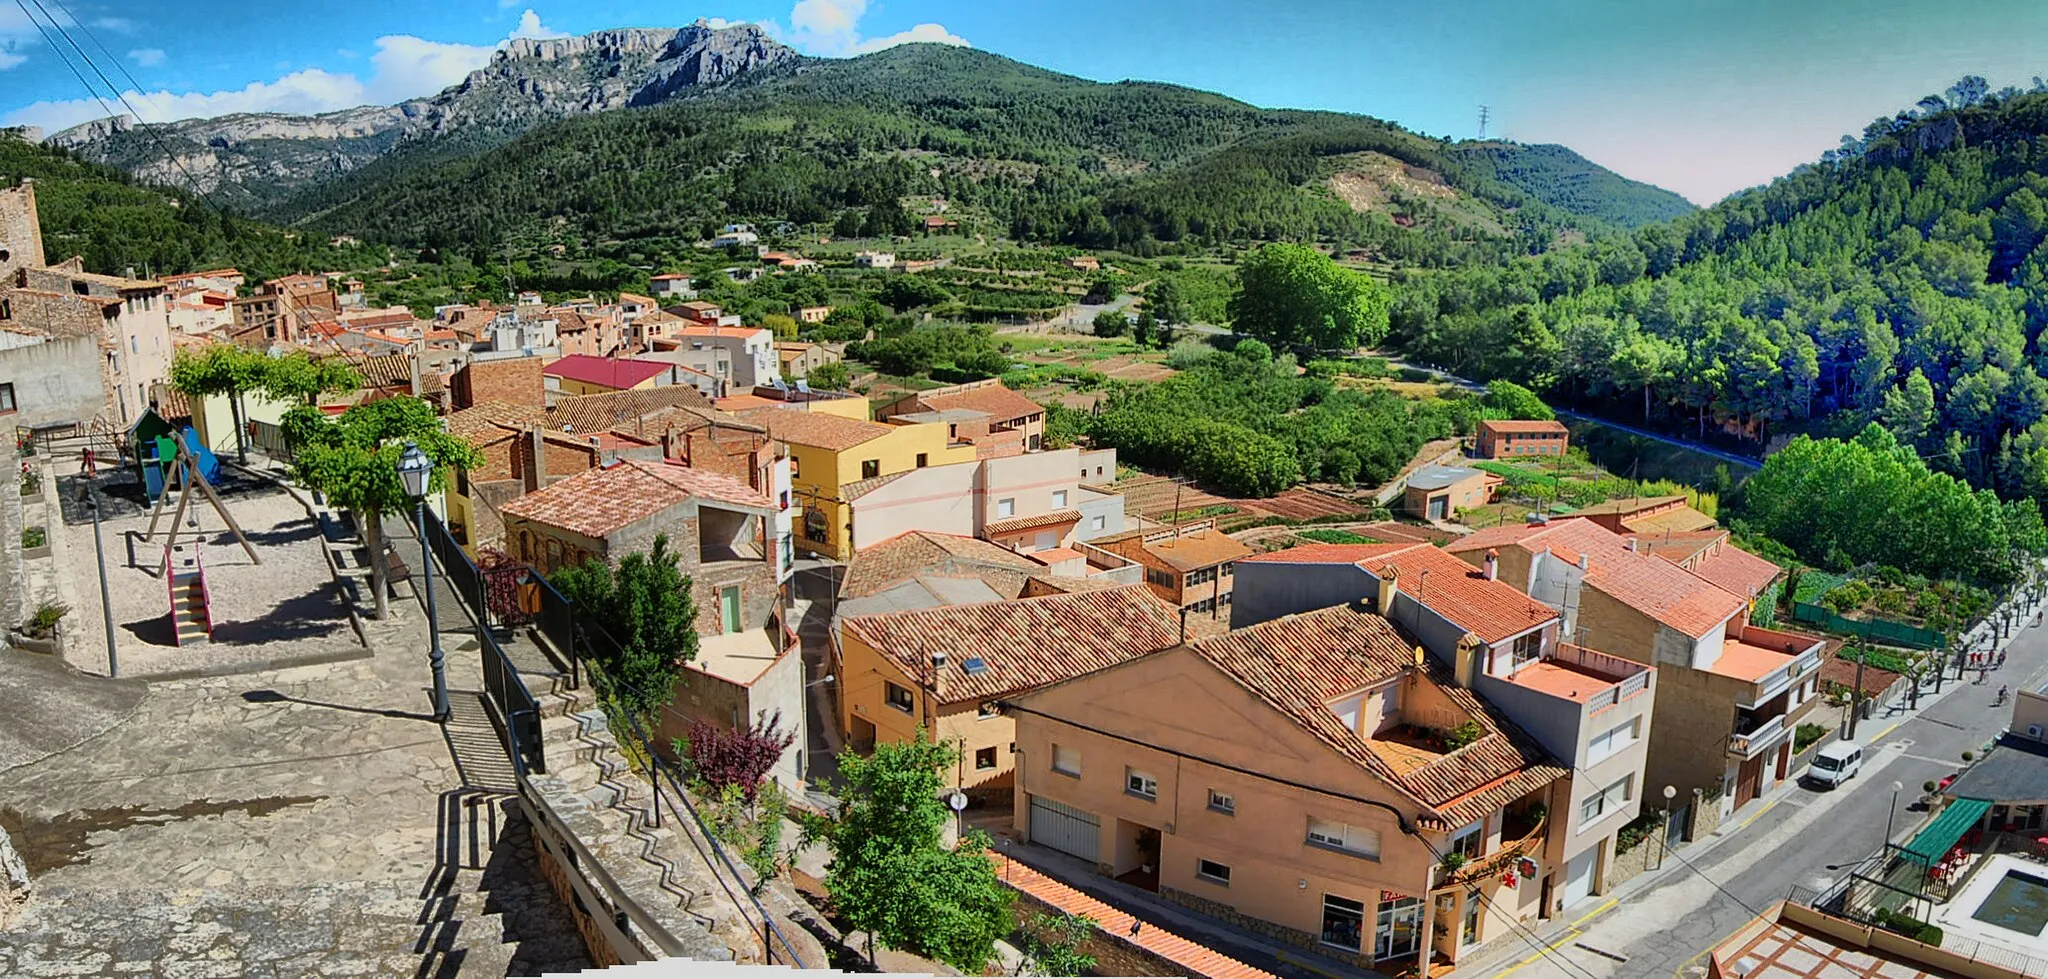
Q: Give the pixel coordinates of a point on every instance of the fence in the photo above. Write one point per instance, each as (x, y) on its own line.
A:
(1765, 611)
(667, 779)
(1840, 901)
(511, 703)
(1882, 630)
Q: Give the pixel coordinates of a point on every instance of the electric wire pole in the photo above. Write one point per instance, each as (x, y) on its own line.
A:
(1483, 110)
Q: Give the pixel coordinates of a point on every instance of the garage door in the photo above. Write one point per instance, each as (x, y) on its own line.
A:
(1065, 829)
(1578, 877)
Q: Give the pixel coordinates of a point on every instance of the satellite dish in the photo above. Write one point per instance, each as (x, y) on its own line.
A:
(958, 800)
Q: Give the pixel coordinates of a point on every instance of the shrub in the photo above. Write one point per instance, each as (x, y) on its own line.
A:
(737, 758)
(33, 537)
(1187, 352)
(1807, 734)
(1325, 536)
(46, 617)
(1462, 735)
(1637, 830)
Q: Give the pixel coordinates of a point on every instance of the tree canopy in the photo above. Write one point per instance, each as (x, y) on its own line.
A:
(1295, 295)
(640, 620)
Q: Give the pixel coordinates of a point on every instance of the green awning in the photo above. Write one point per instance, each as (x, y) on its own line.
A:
(1934, 842)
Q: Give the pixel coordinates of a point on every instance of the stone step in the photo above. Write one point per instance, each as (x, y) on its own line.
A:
(558, 730)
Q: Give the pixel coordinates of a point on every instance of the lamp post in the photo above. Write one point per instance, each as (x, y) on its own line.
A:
(1664, 842)
(1896, 787)
(415, 470)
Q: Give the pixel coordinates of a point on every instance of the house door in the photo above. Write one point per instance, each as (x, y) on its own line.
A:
(1439, 507)
(1784, 759)
(729, 606)
(1746, 779)
(1578, 876)
(1066, 829)
(1399, 931)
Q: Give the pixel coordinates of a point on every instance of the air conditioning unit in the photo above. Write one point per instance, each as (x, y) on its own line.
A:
(2034, 731)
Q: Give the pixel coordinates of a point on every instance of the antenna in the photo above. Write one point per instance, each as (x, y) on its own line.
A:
(1483, 111)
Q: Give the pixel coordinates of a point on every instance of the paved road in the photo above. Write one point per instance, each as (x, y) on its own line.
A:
(1746, 462)
(1795, 839)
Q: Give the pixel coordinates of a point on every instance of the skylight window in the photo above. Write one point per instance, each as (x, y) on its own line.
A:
(975, 666)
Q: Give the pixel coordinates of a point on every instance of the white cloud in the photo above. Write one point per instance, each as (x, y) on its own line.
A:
(9, 59)
(832, 28)
(403, 67)
(719, 23)
(122, 24)
(147, 57)
(531, 27)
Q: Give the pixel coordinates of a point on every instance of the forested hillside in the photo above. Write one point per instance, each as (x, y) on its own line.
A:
(115, 223)
(1045, 157)
(1902, 279)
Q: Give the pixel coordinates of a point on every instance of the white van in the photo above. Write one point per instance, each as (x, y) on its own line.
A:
(1835, 764)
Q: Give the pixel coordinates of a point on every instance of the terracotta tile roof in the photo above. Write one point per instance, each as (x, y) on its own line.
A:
(1300, 663)
(486, 421)
(1055, 555)
(1491, 610)
(1738, 571)
(1328, 553)
(1022, 644)
(1119, 926)
(1200, 549)
(747, 402)
(818, 429)
(597, 502)
(1679, 548)
(1014, 524)
(921, 552)
(1517, 427)
(1627, 505)
(1069, 583)
(1684, 519)
(602, 412)
(171, 404)
(387, 371)
(859, 488)
(999, 402)
(611, 373)
(1653, 586)
(700, 329)
(627, 297)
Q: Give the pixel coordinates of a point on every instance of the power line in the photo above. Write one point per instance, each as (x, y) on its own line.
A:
(61, 56)
(116, 90)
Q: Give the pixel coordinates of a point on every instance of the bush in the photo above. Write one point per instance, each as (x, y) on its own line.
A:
(1517, 402)
(33, 537)
(46, 616)
(1907, 925)
(1807, 734)
(1322, 536)
(1637, 830)
(1462, 735)
(1187, 353)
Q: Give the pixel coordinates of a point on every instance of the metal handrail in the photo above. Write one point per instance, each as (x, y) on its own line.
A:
(587, 864)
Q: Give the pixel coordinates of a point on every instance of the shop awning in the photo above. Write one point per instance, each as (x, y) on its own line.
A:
(1934, 842)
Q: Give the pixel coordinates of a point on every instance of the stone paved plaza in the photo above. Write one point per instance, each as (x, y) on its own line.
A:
(297, 822)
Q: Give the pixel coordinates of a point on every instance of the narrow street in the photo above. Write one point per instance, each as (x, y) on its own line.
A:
(1662, 924)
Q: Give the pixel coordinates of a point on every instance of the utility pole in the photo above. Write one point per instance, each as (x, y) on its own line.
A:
(1482, 121)
(1856, 696)
(99, 553)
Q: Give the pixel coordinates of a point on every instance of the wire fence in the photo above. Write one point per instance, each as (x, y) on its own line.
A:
(515, 708)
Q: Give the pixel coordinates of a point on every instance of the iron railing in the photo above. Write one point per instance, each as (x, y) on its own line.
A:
(510, 701)
(555, 620)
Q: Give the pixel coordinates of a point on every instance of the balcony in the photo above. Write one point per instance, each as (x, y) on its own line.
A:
(1772, 660)
(1585, 677)
(1752, 737)
(1522, 835)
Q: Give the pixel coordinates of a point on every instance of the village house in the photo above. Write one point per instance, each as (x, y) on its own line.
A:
(1730, 694)
(874, 260)
(1192, 566)
(672, 285)
(131, 316)
(813, 314)
(796, 396)
(995, 419)
(798, 358)
(736, 234)
(1505, 439)
(1583, 706)
(1318, 778)
(1084, 263)
(942, 669)
(1647, 517)
(829, 454)
(1033, 504)
(584, 374)
(1440, 492)
(740, 357)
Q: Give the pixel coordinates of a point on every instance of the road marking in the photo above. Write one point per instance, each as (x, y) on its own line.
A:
(1679, 973)
(1597, 912)
(1541, 952)
(1950, 762)
(1768, 806)
(1291, 960)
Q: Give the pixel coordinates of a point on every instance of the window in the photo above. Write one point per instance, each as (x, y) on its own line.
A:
(1223, 802)
(1528, 648)
(923, 459)
(1139, 784)
(1201, 576)
(1163, 579)
(1227, 565)
(1059, 499)
(870, 468)
(1614, 739)
(899, 697)
(1034, 443)
(1343, 922)
(1212, 872)
(814, 525)
(1006, 507)
(1066, 761)
(1205, 605)
(984, 759)
(986, 711)
(795, 467)
(1470, 841)
(134, 345)
(1338, 836)
(1607, 800)
(1098, 522)
(7, 397)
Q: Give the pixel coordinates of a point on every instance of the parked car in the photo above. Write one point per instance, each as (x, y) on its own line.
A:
(1834, 764)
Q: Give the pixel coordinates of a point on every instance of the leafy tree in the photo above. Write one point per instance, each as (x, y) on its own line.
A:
(1145, 329)
(983, 363)
(1517, 402)
(829, 377)
(1166, 302)
(221, 370)
(1111, 323)
(353, 461)
(848, 224)
(780, 324)
(892, 877)
(905, 291)
(737, 757)
(1052, 945)
(640, 620)
(1909, 409)
(1293, 294)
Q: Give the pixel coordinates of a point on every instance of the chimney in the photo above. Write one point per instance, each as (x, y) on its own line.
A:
(1389, 587)
(1584, 563)
(1492, 564)
(1467, 659)
(1631, 544)
(536, 461)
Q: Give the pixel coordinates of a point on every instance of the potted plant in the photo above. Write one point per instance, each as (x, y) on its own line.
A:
(41, 632)
(31, 484)
(35, 543)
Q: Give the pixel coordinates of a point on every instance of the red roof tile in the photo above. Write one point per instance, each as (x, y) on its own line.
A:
(1051, 519)
(1650, 585)
(1000, 403)
(1519, 427)
(1117, 926)
(1738, 571)
(1491, 610)
(600, 501)
(1023, 644)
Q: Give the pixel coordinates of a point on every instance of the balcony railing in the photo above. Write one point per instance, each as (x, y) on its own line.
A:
(1745, 745)
(1805, 652)
(1497, 862)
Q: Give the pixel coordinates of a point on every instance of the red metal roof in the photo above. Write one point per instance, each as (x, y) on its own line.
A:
(607, 372)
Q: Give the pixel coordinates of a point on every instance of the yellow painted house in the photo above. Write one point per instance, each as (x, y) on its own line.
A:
(829, 455)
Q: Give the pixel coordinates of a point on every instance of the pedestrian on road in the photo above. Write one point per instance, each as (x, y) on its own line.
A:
(2002, 692)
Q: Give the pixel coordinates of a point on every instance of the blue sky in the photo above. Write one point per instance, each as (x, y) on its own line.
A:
(1702, 96)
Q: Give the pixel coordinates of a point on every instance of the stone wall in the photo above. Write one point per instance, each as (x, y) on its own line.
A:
(21, 235)
(1225, 912)
(513, 380)
(56, 380)
(1627, 866)
(1704, 817)
(1115, 955)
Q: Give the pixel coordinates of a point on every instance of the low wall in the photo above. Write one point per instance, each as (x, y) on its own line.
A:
(1704, 817)
(1115, 955)
(1627, 866)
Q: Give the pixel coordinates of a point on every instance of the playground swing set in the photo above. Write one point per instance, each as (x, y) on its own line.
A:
(171, 460)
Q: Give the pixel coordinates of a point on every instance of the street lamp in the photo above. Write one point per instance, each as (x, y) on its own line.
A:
(1664, 844)
(1896, 787)
(415, 470)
